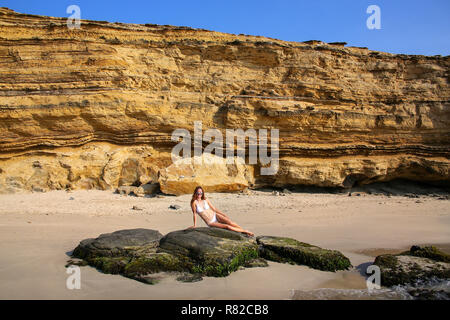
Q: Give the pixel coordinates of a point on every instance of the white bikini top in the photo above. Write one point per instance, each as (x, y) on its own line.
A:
(200, 209)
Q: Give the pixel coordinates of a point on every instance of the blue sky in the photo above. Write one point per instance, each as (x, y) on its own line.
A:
(411, 27)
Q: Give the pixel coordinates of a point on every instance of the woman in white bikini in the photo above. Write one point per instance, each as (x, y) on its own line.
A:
(212, 216)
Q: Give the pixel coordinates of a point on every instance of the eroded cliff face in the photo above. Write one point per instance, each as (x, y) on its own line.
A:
(96, 107)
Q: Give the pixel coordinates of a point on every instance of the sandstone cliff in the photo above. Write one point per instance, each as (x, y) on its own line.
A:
(96, 107)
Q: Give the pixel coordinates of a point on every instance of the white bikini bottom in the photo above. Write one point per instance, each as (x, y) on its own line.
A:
(214, 219)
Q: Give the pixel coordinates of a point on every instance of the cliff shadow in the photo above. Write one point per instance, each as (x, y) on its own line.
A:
(397, 187)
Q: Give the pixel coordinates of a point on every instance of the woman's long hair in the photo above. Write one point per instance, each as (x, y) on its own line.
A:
(194, 196)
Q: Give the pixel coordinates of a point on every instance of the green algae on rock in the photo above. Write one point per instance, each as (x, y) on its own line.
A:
(212, 251)
(145, 255)
(138, 253)
(419, 263)
(430, 252)
(287, 250)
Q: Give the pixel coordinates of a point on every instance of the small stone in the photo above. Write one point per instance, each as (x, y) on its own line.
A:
(71, 198)
(137, 208)
(174, 207)
(287, 191)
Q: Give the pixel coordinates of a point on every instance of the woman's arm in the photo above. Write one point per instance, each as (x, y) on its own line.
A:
(195, 216)
(215, 209)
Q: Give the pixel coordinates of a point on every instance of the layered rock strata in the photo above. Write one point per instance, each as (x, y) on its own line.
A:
(96, 107)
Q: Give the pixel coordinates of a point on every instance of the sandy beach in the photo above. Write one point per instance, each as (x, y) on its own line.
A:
(39, 230)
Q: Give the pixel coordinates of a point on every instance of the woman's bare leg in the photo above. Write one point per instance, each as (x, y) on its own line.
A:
(222, 219)
(227, 226)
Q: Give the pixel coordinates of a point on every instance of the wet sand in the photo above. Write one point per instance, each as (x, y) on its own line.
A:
(39, 230)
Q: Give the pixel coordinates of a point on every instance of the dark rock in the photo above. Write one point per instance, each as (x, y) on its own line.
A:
(174, 207)
(150, 279)
(289, 250)
(145, 255)
(419, 263)
(430, 252)
(118, 244)
(76, 262)
(150, 188)
(137, 208)
(341, 44)
(135, 253)
(210, 251)
(427, 294)
(153, 262)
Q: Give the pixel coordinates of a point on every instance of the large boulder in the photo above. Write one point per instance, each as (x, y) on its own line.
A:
(122, 242)
(419, 263)
(139, 253)
(289, 250)
(144, 254)
(111, 252)
(214, 173)
(212, 251)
